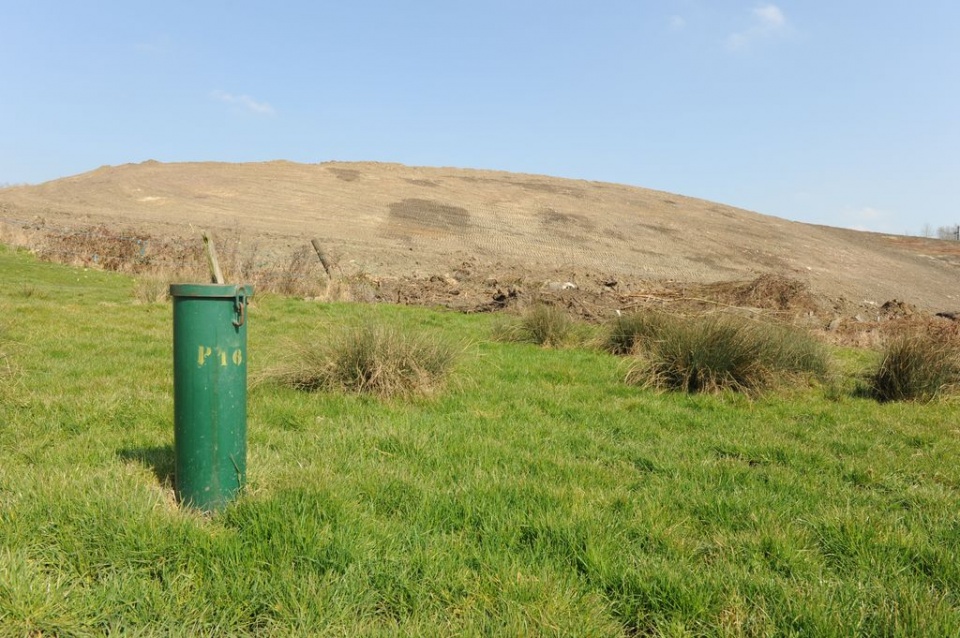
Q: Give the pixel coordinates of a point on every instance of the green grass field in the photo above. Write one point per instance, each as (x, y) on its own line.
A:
(538, 494)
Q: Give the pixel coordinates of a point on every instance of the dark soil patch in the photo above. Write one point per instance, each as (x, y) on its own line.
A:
(346, 174)
(429, 214)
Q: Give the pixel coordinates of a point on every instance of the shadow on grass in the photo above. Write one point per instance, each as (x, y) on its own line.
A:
(159, 459)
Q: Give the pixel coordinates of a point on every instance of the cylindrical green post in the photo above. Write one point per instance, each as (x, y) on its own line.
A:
(210, 392)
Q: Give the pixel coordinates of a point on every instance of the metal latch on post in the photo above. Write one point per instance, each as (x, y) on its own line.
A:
(240, 305)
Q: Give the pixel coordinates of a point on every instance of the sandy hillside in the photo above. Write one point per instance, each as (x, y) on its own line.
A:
(395, 220)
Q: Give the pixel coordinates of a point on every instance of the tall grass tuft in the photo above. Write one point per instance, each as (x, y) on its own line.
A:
(540, 324)
(915, 367)
(380, 360)
(625, 333)
(151, 287)
(716, 353)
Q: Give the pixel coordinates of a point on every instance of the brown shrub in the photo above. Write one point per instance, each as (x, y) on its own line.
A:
(98, 247)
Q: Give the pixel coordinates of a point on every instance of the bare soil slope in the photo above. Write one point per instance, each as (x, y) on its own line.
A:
(392, 220)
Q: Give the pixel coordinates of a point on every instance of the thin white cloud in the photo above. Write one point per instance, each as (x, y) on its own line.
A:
(677, 22)
(770, 16)
(768, 21)
(244, 101)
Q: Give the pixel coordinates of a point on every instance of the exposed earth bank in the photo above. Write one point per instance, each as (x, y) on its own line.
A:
(478, 240)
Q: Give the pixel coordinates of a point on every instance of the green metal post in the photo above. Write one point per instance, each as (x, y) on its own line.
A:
(210, 392)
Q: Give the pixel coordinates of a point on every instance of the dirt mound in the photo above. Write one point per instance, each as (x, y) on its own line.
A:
(895, 308)
(475, 239)
(768, 291)
(874, 332)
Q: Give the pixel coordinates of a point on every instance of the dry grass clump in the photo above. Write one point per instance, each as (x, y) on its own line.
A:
(919, 366)
(720, 352)
(297, 274)
(380, 360)
(768, 291)
(151, 287)
(540, 324)
(17, 235)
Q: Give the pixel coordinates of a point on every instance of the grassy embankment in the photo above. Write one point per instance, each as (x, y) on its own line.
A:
(537, 494)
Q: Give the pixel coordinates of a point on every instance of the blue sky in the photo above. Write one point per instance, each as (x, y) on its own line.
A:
(841, 112)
